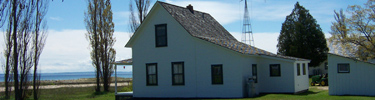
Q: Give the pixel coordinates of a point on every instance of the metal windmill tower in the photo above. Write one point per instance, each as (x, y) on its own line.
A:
(247, 33)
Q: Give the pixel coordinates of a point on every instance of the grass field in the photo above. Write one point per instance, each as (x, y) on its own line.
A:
(87, 93)
(78, 93)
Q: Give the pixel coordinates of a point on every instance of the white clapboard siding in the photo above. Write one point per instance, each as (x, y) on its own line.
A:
(360, 80)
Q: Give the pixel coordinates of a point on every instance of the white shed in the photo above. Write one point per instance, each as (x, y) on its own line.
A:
(179, 52)
(348, 76)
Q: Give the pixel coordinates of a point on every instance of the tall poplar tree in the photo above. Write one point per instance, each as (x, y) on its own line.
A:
(302, 37)
(100, 28)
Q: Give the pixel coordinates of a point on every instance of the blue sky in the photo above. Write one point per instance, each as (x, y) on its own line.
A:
(67, 49)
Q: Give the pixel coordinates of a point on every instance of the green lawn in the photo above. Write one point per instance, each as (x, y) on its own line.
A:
(87, 93)
(312, 94)
(77, 93)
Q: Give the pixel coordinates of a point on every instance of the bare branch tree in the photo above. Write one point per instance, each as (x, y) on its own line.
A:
(142, 9)
(20, 37)
(39, 41)
(356, 32)
(8, 60)
(25, 47)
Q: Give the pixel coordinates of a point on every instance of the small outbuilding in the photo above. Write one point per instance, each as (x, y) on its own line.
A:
(349, 76)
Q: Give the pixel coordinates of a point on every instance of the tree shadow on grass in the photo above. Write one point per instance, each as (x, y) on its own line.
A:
(309, 92)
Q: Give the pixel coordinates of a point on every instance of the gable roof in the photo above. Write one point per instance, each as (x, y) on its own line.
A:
(352, 58)
(203, 26)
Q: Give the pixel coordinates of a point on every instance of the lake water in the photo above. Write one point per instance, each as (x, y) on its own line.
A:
(73, 75)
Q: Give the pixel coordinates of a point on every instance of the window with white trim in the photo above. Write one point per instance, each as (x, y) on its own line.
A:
(217, 74)
(178, 73)
(151, 74)
(298, 69)
(304, 68)
(161, 35)
(343, 68)
(275, 70)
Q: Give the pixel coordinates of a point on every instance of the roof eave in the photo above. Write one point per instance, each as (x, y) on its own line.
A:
(284, 59)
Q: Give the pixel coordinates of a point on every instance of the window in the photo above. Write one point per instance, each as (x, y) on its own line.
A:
(326, 65)
(152, 74)
(304, 69)
(217, 74)
(255, 73)
(275, 70)
(161, 35)
(178, 73)
(343, 68)
(298, 69)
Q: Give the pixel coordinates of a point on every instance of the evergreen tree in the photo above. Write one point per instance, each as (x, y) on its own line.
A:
(302, 37)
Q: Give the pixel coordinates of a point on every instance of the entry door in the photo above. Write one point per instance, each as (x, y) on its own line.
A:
(255, 73)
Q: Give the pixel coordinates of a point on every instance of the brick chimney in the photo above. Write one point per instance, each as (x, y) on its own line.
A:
(190, 8)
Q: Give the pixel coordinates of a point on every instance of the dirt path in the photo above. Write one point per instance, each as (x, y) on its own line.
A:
(2, 89)
(321, 87)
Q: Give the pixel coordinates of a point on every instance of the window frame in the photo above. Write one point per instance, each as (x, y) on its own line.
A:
(304, 68)
(298, 69)
(255, 69)
(220, 75)
(183, 73)
(148, 75)
(157, 36)
(338, 68)
(279, 71)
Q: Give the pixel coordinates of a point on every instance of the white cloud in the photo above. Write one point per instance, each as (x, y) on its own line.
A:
(55, 18)
(68, 51)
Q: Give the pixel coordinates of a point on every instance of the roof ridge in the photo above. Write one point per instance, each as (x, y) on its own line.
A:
(181, 7)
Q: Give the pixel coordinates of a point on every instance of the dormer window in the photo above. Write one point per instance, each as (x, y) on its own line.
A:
(161, 35)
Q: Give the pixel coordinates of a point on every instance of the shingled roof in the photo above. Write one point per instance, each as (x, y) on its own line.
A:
(203, 26)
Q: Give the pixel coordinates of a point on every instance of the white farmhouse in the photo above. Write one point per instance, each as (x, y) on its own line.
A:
(182, 53)
(348, 76)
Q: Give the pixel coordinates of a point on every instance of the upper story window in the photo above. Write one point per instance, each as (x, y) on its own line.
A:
(275, 70)
(161, 35)
(178, 73)
(343, 68)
